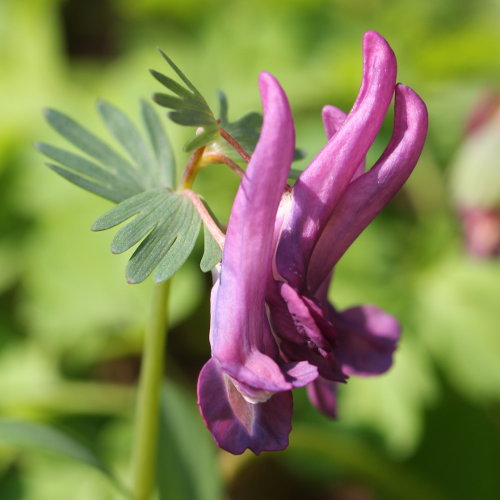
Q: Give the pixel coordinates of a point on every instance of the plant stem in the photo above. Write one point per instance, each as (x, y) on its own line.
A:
(147, 411)
(192, 168)
(236, 145)
(206, 217)
(212, 158)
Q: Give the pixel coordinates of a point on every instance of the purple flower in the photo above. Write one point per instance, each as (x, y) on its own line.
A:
(272, 326)
(246, 369)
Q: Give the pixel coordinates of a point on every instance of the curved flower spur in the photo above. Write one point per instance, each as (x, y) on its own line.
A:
(272, 326)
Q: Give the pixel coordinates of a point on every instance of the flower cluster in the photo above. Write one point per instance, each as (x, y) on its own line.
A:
(272, 327)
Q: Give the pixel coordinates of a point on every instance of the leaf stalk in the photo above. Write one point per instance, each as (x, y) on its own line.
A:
(192, 168)
(236, 145)
(207, 219)
(214, 158)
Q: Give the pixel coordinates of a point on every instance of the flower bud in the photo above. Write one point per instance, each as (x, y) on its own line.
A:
(475, 179)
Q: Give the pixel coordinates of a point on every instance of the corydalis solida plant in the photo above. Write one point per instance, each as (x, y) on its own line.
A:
(272, 328)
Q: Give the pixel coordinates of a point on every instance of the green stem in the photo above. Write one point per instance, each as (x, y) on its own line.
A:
(192, 168)
(147, 413)
(236, 145)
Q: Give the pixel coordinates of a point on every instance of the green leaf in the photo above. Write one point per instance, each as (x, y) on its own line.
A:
(161, 146)
(200, 140)
(83, 166)
(188, 106)
(90, 144)
(149, 216)
(166, 222)
(129, 138)
(187, 458)
(125, 210)
(182, 246)
(171, 84)
(212, 253)
(104, 171)
(191, 117)
(246, 131)
(42, 437)
(106, 191)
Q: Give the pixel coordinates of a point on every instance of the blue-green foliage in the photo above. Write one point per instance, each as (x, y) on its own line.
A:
(141, 182)
(69, 328)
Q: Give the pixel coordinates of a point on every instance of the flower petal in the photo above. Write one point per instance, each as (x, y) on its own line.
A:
(304, 330)
(367, 195)
(327, 364)
(320, 186)
(241, 338)
(322, 394)
(309, 320)
(237, 424)
(261, 374)
(333, 118)
(366, 341)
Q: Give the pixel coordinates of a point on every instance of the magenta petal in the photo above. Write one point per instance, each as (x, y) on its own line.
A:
(327, 364)
(240, 330)
(260, 374)
(300, 373)
(236, 424)
(304, 330)
(309, 320)
(320, 186)
(333, 118)
(322, 394)
(367, 340)
(367, 195)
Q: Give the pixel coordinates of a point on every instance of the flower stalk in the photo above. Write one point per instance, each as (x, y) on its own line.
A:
(148, 399)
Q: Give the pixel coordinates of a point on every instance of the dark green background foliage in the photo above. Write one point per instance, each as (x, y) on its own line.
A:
(71, 328)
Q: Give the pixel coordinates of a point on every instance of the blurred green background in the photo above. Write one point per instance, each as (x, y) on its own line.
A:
(71, 328)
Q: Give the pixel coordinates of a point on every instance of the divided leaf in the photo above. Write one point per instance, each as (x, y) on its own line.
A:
(103, 171)
(168, 225)
(246, 131)
(161, 146)
(188, 106)
(212, 253)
